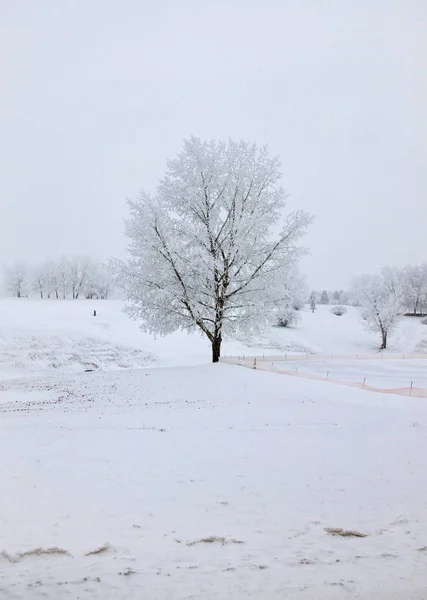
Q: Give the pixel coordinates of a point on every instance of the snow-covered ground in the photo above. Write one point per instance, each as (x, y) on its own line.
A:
(63, 336)
(385, 374)
(203, 481)
(323, 332)
(148, 463)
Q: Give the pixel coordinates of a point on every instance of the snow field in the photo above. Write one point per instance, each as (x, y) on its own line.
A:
(203, 481)
(385, 374)
(143, 465)
(405, 376)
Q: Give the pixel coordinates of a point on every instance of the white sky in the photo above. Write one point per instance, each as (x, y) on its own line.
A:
(97, 94)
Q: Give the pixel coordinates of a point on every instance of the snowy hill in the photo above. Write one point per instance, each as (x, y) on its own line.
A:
(63, 336)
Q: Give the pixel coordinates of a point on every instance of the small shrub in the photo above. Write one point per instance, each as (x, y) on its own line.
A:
(424, 321)
(339, 311)
(288, 317)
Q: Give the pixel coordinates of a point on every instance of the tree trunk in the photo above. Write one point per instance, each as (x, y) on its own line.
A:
(384, 339)
(216, 348)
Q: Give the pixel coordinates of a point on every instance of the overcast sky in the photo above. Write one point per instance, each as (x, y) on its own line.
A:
(97, 94)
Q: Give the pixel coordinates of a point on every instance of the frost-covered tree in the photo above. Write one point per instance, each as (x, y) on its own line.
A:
(392, 279)
(345, 297)
(97, 280)
(287, 316)
(79, 272)
(336, 297)
(212, 249)
(44, 279)
(295, 291)
(73, 277)
(312, 300)
(39, 284)
(414, 280)
(103, 282)
(16, 279)
(62, 280)
(297, 288)
(324, 298)
(381, 303)
(89, 286)
(52, 271)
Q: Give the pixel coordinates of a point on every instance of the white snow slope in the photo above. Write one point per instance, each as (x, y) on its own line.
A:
(141, 466)
(41, 336)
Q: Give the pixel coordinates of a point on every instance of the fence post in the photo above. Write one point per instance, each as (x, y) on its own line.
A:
(327, 374)
(410, 389)
(255, 363)
(364, 381)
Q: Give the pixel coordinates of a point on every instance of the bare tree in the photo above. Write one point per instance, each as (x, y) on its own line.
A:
(206, 251)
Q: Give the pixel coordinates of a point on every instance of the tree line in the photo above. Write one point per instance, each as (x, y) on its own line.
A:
(328, 297)
(385, 297)
(411, 279)
(73, 277)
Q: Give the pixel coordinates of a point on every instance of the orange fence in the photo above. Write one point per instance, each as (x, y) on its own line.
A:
(306, 356)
